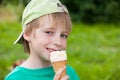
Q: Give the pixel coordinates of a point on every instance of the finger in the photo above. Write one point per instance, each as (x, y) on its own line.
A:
(59, 72)
(66, 77)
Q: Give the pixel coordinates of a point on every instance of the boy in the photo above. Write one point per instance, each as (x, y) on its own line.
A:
(45, 27)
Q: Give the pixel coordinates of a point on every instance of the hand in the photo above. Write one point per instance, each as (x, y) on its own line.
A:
(58, 74)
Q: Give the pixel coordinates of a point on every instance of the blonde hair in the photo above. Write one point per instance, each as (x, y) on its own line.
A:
(61, 19)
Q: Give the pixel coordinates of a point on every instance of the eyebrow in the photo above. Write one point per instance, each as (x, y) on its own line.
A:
(50, 28)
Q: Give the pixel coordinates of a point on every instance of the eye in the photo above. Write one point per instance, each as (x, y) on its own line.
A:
(64, 36)
(49, 32)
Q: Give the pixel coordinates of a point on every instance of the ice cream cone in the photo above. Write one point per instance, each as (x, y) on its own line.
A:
(58, 60)
(58, 65)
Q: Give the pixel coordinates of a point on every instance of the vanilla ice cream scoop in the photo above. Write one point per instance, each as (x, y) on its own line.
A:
(56, 56)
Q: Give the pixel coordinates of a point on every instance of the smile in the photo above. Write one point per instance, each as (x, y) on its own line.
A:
(51, 50)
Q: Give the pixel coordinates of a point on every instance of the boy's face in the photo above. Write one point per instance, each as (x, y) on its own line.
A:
(47, 38)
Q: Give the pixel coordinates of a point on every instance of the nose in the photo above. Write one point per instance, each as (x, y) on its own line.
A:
(57, 40)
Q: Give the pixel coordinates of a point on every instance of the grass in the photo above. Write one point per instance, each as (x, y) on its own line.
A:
(93, 50)
(9, 52)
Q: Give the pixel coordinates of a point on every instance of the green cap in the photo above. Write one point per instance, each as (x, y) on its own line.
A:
(37, 8)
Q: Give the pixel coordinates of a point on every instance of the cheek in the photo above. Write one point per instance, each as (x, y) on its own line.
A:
(64, 43)
(42, 39)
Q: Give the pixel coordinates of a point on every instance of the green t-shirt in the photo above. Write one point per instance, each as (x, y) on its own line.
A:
(21, 73)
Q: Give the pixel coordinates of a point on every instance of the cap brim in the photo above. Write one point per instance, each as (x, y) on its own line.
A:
(20, 38)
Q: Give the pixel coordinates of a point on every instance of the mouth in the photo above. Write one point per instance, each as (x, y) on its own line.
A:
(51, 50)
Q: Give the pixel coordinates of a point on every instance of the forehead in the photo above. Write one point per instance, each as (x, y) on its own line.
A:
(61, 20)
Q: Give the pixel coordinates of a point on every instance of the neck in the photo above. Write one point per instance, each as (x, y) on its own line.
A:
(33, 62)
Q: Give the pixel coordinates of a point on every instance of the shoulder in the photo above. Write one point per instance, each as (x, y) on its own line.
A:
(72, 73)
(70, 70)
(14, 74)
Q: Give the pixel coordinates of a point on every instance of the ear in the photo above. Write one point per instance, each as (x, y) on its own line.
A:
(26, 36)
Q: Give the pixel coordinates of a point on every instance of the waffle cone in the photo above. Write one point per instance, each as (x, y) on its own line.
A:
(58, 65)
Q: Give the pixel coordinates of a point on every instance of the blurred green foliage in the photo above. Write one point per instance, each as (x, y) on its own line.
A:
(88, 11)
(14, 2)
(92, 11)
